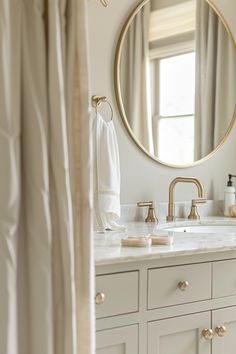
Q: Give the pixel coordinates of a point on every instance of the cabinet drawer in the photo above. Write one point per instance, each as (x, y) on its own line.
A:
(224, 278)
(164, 285)
(118, 293)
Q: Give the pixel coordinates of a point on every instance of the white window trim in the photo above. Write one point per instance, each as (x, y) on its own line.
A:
(172, 50)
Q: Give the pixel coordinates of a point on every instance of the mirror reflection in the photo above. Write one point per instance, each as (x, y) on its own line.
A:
(177, 64)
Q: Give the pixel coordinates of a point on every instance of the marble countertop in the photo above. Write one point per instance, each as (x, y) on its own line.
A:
(109, 251)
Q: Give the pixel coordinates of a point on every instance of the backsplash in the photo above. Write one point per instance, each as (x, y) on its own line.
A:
(130, 212)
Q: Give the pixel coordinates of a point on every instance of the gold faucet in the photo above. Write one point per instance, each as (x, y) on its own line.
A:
(171, 207)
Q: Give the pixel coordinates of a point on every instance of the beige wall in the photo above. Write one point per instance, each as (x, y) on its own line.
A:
(142, 178)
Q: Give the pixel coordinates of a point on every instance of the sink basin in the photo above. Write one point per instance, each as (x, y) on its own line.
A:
(204, 228)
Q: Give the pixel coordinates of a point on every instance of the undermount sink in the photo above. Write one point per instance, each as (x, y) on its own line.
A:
(204, 228)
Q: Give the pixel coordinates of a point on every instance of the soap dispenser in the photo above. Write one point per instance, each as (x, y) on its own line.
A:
(229, 195)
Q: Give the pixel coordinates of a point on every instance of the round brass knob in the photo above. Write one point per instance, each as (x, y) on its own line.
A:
(220, 331)
(99, 298)
(183, 285)
(208, 334)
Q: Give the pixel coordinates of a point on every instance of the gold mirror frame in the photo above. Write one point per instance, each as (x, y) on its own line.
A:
(119, 95)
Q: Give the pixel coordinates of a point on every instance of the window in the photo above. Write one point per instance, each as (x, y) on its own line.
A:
(175, 117)
(172, 58)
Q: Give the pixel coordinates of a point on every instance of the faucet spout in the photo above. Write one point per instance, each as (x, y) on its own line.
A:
(171, 206)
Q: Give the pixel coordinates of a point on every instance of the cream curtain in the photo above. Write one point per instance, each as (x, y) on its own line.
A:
(215, 80)
(46, 264)
(135, 78)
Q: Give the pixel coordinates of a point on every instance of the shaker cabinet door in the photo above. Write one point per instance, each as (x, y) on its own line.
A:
(123, 340)
(180, 335)
(224, 326)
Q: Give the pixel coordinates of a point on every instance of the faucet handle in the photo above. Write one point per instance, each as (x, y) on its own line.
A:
(151, 217)
(194, 213)
(198, 201)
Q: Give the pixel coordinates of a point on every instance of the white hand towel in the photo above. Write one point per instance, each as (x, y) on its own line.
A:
(106, 175)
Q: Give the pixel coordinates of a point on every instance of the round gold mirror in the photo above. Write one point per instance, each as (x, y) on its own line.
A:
(175, 80)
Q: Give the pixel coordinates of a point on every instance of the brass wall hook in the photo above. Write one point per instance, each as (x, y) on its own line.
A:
(98, 100)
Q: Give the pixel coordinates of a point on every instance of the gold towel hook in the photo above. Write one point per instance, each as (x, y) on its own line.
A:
(98, 100)
(104, 3)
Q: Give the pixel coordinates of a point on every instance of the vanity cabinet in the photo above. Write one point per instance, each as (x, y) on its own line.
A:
(171, 306)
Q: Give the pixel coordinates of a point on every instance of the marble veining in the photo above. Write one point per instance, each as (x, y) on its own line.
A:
(108, 249)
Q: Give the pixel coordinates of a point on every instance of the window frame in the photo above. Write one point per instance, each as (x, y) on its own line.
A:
(160, 54)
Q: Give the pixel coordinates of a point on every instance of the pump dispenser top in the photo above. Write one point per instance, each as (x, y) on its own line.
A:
(230, 182)
(229, 195)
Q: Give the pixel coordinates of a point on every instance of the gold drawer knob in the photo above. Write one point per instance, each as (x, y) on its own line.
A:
(221, 331)
(99, 298)
(208, 334)
(183, 285)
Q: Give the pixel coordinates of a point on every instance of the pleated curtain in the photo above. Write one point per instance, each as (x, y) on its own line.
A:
(215, 80)
(46, 260)
(135, 78)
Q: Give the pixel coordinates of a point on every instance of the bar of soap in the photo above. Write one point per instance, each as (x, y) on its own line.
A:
(161, 237)
(136, 242)
(161, 240)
